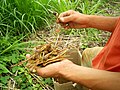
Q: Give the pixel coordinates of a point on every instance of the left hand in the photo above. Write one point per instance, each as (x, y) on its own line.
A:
(55, 69)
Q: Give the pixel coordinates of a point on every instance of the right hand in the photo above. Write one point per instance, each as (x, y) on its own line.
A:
(73, 19)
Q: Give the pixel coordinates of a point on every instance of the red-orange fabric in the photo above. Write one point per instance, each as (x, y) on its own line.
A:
(109, 58)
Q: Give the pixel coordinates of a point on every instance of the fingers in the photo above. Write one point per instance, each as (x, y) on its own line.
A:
(73, 25)
(53, 70)
(41, 72)
(67, 19)
(73, 19)
(48, 71)
(65, 16)
(67, 13)
(27, 56)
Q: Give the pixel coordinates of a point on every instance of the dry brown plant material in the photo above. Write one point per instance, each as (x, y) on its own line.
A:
(44, 55)
(54, 51)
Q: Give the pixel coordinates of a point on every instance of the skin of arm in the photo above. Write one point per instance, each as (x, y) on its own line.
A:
(78, 20)
(89, 77)
(92, 78)
(102, 22)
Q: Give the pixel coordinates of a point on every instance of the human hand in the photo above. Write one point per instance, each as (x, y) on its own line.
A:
(73, 19)
(54, 70)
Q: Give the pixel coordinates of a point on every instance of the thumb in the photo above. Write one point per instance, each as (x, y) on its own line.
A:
(48, 71)
(41, 71)
(27, 56)
(44, 72)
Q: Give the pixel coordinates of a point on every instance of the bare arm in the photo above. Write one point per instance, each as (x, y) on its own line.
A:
(102, 22)
(89, 77)
(78, 20)
(92, 78)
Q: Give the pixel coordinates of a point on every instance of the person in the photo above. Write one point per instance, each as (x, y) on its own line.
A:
(105, 71)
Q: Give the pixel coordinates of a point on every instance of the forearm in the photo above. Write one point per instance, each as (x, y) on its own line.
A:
(92, 78)
(102, 23)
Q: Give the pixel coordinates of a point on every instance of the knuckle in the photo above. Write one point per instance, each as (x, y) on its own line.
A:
(71, 10)
(43, 74)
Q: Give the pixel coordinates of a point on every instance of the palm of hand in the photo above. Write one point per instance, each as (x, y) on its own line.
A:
(53, 70)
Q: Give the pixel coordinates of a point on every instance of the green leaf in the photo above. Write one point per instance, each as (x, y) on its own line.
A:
(4, 79)
(14, 58)
(14, 69)
(5, 70)
(48, 81)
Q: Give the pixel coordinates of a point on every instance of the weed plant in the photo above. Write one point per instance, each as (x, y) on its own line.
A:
(19, 19)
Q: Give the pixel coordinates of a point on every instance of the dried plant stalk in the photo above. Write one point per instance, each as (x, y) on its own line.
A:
(52, 52)
(44, 55)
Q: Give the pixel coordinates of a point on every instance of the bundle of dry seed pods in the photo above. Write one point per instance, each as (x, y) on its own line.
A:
(44, 55)
(55, 49)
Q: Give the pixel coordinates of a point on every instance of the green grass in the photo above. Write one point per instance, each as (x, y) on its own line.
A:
(21, 18)
(26, 16)
(90, 7)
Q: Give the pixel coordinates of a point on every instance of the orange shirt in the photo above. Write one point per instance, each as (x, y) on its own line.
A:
(109, 57)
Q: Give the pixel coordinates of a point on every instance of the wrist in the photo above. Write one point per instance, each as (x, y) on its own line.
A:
(90, 19)
(67, 70)
(84, 20)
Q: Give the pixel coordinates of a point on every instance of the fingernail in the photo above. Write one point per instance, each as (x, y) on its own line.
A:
(27, 55)
(62, 19)
(66, 28)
